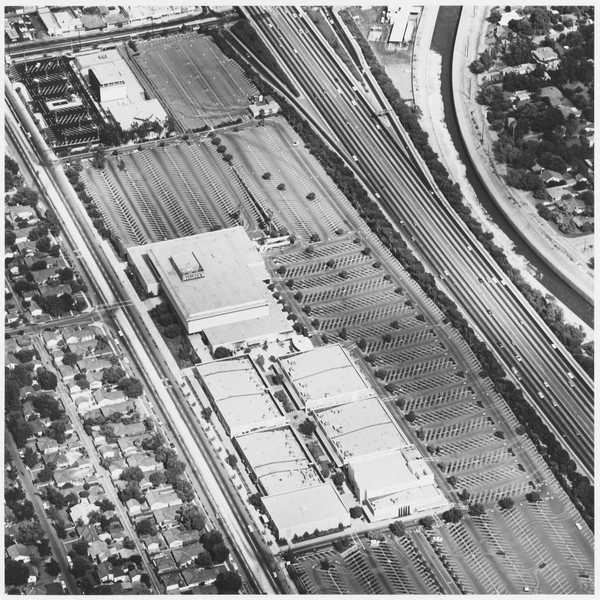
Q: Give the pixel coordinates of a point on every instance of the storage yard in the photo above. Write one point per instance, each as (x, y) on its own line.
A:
(201, 86)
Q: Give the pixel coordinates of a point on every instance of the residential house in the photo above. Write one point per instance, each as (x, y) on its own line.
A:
(153, 543)
(116, 467)
(145, 462)
(109, 451)
(67, 372)
(82, 511)
(47, 445)
(133, 507)
(74, 475)
(94, 365)
(164, 563)
(19, 552)
(162, 497)
(104, 398)
(171, 581)
(52, 339)
(166, 517)
(105, 572)
(546, 57)
(186, 555)
(121, 429)
(98, 551)
(178, 537)
(121, 408)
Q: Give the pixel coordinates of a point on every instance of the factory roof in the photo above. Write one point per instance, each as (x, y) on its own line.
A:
(301, 509)
(251, 330)
(382, 474)
(278, 460)
(137, 112)
(239, 392)
(232, 272)
(326, 374)
(360, 428)
(108, 74)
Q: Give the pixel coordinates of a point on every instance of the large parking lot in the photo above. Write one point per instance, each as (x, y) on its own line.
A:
(49, 80)
(195, 80)
(186, 187)
(389, 566)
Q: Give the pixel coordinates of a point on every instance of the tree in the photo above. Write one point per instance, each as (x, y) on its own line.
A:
(113, 374)
(356, 512)
(190, 517)
(266, 175)
(157, 478)
(311, 196)
(46, 379)
(411, 416)
(231, 460)
(15, 573)
(29, 532)
(506, 502)
(281, 187)
(105, 505)
(131, 386)
(397, 528)
(338, 478)
(307, 427)
(426, 522)
(52, 568)
(81, 565)
(477, 509)
(65, 275)
(146, 527)
(228, 582)
(222, 352)
(533, 496)
(132, 474)
(453, 515)
(206, 413)
(70, 359)
(172, 331)
(219, 553)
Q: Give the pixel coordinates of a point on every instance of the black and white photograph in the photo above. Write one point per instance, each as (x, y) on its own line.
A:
(299, 299)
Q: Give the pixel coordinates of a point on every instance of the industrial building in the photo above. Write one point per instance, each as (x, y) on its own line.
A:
(216, 281)
(360, 428)
(306, 510)
(277, 461)
(395, 484)
(116, 88)
(325, 376)
(239, 395)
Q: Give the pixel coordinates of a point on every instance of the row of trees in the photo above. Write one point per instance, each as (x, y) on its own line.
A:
(580, 488)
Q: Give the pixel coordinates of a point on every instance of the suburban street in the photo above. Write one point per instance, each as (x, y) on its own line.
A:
(58, 549)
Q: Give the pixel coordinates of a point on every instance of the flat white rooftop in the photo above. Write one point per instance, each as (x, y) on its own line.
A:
(233, 274)
(360, 428)
(261, 328)
(278, 460)
(383, 474)
(306, 509)
(326, 375)
(240, 394)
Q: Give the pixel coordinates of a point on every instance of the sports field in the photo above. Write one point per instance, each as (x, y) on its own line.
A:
(194, 80)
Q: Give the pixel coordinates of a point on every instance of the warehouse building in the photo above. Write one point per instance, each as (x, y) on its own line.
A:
(239, 395)
(325, 376)
(306, 510)
(360, 428)
(216, 281)
(395, 484)
(277, 461)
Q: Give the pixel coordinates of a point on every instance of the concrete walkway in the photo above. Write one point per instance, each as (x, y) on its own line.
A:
(516, 205)
(427, 66)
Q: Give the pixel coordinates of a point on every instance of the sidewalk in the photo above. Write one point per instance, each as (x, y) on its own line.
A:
(515, 205)
(427, 71)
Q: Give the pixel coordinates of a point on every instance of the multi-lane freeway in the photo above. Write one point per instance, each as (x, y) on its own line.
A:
(112, 288)
(383, 158)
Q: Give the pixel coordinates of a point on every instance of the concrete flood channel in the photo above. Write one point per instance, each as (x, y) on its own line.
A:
(443, 42)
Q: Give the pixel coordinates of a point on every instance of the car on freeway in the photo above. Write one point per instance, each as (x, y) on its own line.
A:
(540, 395)
(570, 375)
(469, 248)
(554, 346)
(518, 357)
(546, 385)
